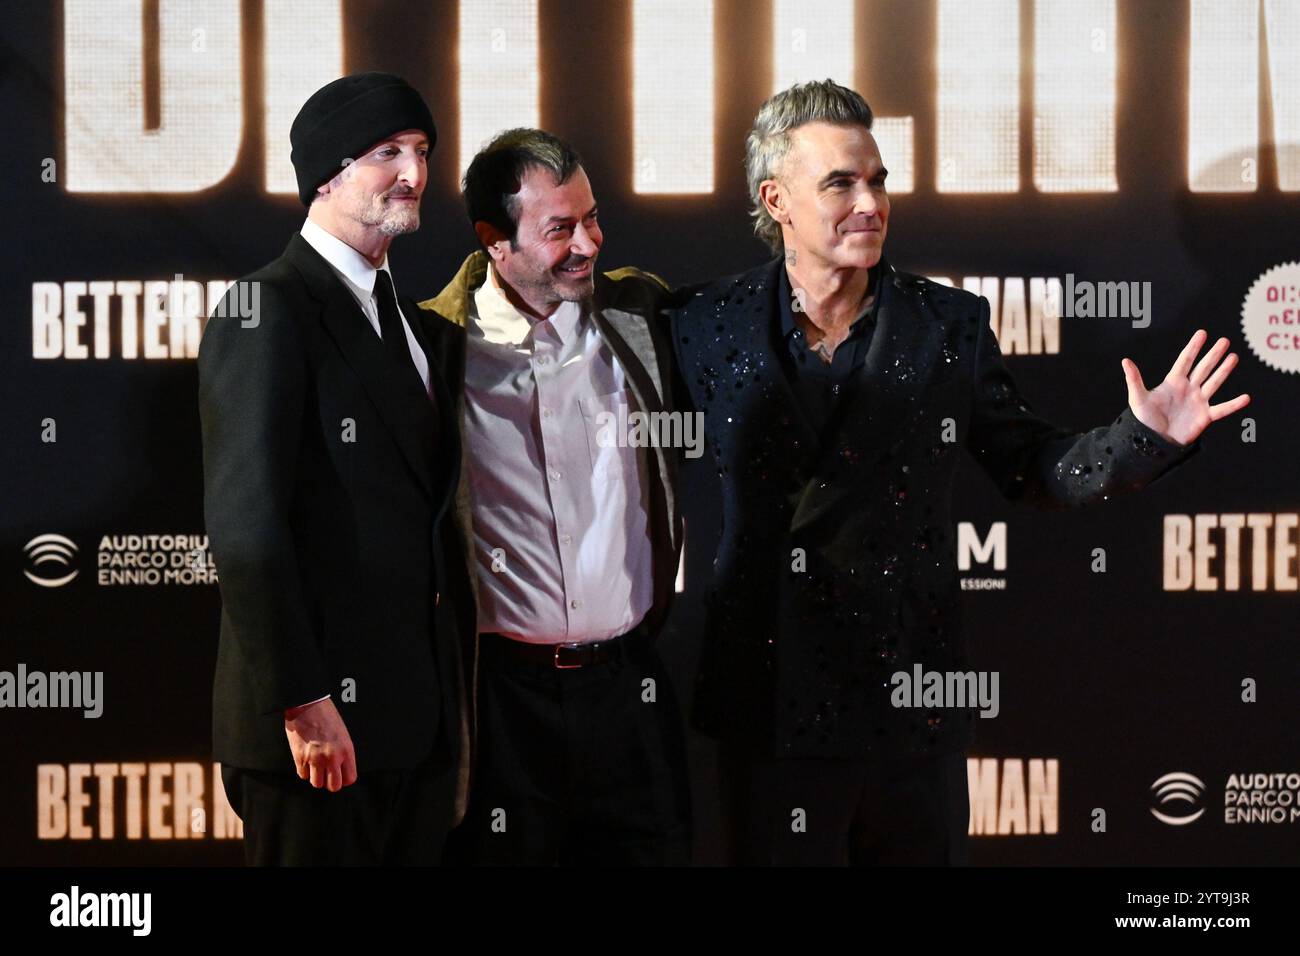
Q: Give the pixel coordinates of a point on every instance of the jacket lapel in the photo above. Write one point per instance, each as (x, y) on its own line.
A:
(452, 305)
(902, 362)
(629, 339)
(402, 407)
(449, 449)
(878, 407)
(883, 357)
(760, 330)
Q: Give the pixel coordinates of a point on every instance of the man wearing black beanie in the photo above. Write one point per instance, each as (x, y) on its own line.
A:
(330, 458)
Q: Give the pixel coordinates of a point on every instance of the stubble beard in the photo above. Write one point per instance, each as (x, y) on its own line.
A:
(392, 219)
(548, 287)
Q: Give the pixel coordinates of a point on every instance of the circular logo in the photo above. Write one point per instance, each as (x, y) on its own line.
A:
(1177, 798)
(48, 556)
(1270, 317)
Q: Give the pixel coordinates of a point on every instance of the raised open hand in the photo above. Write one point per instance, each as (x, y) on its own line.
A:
(1179, 407)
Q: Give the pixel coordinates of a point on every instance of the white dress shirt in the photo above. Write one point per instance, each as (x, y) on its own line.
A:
(561, 533)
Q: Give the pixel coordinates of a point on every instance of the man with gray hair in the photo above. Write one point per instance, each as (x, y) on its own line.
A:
(836, 391)
(573, 535)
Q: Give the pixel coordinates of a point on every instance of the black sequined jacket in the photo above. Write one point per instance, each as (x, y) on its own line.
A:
(837, 561)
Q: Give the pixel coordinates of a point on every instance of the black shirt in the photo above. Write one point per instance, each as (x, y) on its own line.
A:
(815, 383)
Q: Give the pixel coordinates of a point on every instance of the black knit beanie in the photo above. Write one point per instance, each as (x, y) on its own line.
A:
(347, 116)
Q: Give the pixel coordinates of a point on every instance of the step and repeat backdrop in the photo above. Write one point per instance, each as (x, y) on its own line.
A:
(1111, 174)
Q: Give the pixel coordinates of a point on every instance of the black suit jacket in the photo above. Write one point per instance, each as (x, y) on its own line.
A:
(325, 492)
(797, 662)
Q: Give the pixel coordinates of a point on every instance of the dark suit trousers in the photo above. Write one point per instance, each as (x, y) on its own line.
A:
(575, 767)
(911, 813)
(386, 818)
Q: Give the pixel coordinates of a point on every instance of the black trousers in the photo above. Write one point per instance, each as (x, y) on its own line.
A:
(386, 818)
(828, 812)
(577, 767)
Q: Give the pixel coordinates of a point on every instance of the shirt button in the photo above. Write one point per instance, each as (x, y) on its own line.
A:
(575, 604)
(547, 412)
(566, 539)
(555, 475)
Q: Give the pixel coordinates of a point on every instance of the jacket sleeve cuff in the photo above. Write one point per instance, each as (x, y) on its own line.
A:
(1159, 453)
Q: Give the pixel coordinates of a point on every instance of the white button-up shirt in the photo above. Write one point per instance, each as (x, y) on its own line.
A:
(561, 531)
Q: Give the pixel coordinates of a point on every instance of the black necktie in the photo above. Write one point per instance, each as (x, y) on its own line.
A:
(390, 326)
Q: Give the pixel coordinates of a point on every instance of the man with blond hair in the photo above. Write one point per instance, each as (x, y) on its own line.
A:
(836, 392)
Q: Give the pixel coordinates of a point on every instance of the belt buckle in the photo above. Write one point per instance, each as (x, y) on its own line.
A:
(556, 657)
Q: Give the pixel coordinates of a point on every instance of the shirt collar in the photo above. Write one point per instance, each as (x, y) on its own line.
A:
(349, 263)
(499, 322)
